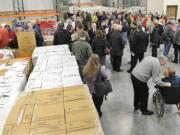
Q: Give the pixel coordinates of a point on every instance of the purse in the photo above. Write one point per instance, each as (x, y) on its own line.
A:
(106, 51)
(102, 87)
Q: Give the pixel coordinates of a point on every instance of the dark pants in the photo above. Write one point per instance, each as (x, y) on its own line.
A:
(103, 60)
(98, 101)
(134, 60)
(154, 51)
(117, 62)
(81, 67)
(141, 94)
(176, 53)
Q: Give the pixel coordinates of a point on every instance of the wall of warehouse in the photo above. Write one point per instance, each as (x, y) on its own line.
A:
(155, 6)
(38, 4)
(160, 6)
(172, 3)
(6, 5)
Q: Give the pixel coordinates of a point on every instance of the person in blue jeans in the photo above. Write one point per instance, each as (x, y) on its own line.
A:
(167, 46)
(167, 36)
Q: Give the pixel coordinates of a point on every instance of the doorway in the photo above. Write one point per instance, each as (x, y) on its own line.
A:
(172, 12)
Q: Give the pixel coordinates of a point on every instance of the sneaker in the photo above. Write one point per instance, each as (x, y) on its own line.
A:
(147, 113)
(136, 108)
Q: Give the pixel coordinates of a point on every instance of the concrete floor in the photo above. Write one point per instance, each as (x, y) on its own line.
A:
(118, 116)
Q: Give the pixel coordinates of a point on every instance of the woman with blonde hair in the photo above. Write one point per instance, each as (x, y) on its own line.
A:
(91, 72)
(170, 76)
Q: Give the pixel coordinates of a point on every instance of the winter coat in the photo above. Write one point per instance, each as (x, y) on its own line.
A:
(61, 36)
(98, 46)
(140, 42)
(177, 37)
(117, 43)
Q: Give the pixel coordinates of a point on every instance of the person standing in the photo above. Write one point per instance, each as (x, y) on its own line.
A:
(131, 36)
(177, 43)
(82, 51)
(61, 36)
(117, 45)
(139, 46)
(92, 70)
(167, 38)
(12, 36)
(4, 38)
(99, 44)
(38, 34)
(155, 38)
(147, 68)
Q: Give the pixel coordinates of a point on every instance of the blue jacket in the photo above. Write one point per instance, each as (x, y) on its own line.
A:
(175, 81)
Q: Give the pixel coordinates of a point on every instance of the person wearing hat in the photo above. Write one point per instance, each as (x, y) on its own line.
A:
(139, 46)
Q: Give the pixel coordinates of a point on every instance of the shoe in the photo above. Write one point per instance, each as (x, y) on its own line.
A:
(147, 113)
(100, 114)
(129, 71)
(174, 62)
(136, 108)
(119, 70)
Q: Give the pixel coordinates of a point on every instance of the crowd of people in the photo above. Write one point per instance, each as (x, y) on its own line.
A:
(8, 35)
(93, 36)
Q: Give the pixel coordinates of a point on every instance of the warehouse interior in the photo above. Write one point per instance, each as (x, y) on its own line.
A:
(89, 67)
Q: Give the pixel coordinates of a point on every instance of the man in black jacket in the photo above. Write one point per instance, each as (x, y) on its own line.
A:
(117, 44)
(155, 38)
(61, 35)
(139, 46)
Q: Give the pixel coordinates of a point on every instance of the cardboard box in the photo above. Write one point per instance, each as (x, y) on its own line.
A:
(27, 115)
(60, 132)
(22, 129)
(81, 120)
(76, 93)
(45, 126)
(46, 112)
(3, 71)
(78, 105)
(90, 131)
(8, 129)
(26, 43)
(16, 110)
(52, 110)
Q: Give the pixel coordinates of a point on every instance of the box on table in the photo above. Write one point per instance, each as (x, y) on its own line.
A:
(80, 120)
(48, 112)
(76, 93)
(89, 131)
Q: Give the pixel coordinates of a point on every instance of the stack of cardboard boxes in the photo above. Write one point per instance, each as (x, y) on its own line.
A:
(13, 77)
(54, 68)
(62, 111)
(55, 101)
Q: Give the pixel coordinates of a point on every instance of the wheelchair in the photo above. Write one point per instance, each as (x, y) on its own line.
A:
(166, 95)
